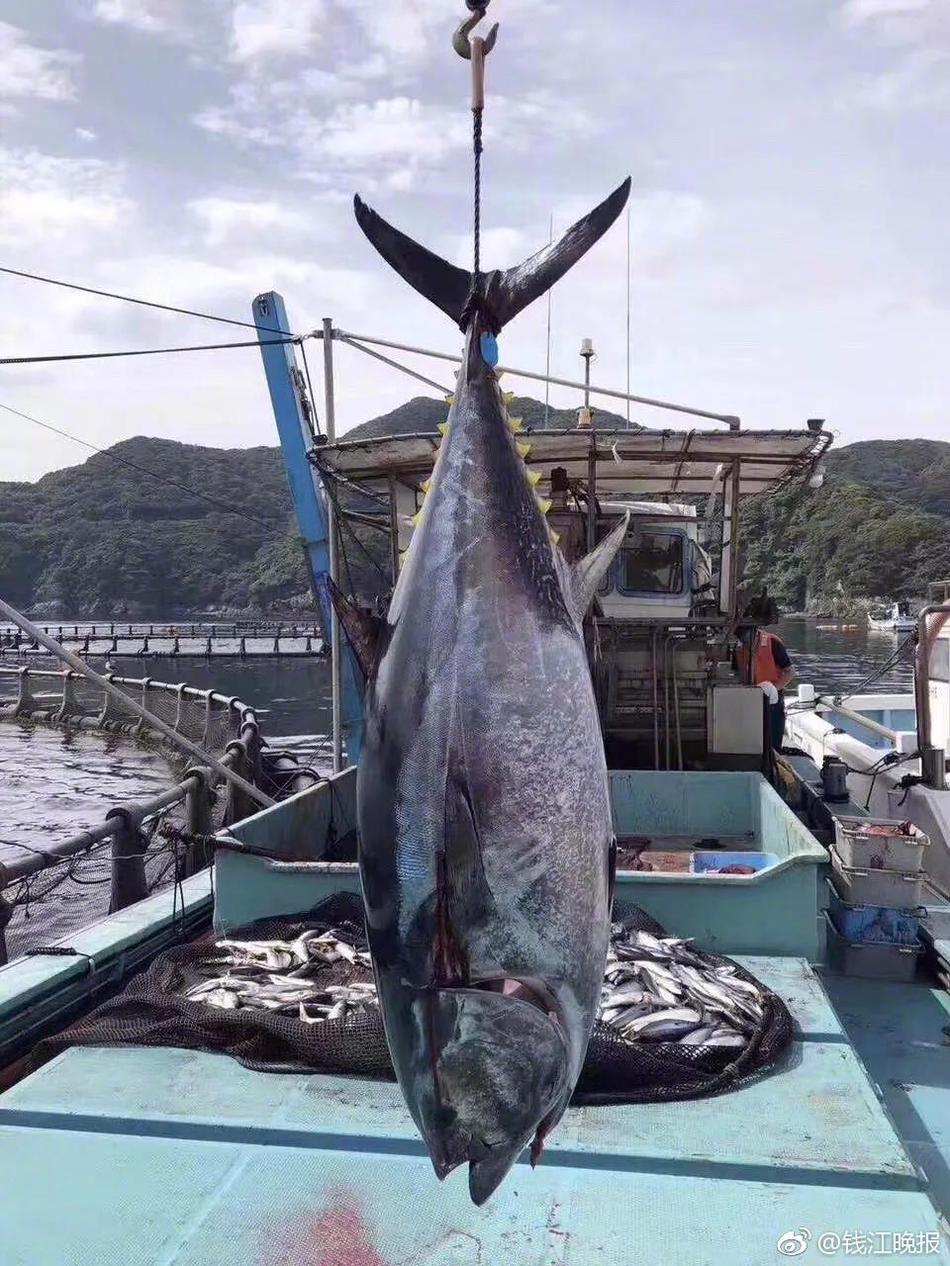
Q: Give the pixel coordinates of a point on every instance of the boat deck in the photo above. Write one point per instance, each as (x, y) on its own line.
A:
(147, 1156)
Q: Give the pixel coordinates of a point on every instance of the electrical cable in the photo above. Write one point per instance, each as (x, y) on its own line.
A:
(143, 303)
(143, 470)
(142, 351)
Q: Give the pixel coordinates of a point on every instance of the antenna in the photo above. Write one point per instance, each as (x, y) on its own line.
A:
(628, 312)
(547, 367)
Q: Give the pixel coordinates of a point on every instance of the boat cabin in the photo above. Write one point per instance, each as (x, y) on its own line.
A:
(663, 630)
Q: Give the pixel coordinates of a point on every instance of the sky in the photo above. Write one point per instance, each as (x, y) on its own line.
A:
(788, 239)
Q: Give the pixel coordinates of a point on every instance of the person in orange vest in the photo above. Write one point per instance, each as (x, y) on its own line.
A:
(771, 665)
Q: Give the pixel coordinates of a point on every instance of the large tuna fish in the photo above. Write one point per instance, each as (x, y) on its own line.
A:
(484, 817)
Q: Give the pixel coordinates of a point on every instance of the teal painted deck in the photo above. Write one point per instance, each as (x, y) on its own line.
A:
(902, 1034)
(166, 1156)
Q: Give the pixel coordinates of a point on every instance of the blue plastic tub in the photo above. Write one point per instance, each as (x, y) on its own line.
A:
(704, 863)
(874, 925)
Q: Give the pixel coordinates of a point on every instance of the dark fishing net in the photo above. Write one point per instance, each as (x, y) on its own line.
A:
(152, 1011)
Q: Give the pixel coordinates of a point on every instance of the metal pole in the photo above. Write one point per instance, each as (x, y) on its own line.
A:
(335, 675)
(129, 882)
(547, 362)
(592, 492)
(932, 759)
(393, 528)
(6, 914)
(734, 538)
(73, 661)
(354, 339)
(628, 313)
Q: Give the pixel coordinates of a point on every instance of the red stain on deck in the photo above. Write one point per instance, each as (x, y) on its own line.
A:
(337, 1237)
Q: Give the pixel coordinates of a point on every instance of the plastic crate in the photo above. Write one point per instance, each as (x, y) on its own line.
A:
(874, 962)
(892, 849)
(899, 889)
(874, 925)
(707, 863)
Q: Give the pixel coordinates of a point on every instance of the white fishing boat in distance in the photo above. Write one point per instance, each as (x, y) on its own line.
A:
(897, 619)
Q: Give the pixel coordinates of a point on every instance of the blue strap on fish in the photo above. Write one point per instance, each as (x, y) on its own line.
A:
(489, 349)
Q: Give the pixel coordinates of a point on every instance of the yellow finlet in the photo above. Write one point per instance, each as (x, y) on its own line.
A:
(523, 449)
(507, 396)
(545, 504)
(450, 400)
(426, 485)
(416, 518)
(555, 537)
(443, 428)
(534, 478)
(516, 424)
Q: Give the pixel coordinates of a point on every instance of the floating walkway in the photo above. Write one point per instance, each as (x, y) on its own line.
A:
(234, 640)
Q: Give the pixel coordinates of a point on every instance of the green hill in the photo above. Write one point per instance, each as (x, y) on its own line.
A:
(153, 527)
(878, 528)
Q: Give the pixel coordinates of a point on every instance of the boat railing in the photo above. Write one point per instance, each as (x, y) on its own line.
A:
(861, 718)
(219, 723)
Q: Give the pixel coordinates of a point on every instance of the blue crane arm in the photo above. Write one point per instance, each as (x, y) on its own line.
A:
(308, 496)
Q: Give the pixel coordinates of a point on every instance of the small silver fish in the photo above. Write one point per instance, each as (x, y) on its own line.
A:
(667, 1024)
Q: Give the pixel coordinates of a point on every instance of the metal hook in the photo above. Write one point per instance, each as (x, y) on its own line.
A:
(463, 44)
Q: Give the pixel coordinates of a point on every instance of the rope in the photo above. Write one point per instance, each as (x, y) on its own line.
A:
(145, 351)
(478, 147)
(143, 303)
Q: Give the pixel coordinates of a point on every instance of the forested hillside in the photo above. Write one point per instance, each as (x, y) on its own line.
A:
(155, 527)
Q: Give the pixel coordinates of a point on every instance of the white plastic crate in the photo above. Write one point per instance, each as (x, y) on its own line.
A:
(879, 844)
(900, 889)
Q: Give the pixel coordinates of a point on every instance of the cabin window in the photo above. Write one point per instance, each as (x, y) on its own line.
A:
(940, 660)
(653, 564)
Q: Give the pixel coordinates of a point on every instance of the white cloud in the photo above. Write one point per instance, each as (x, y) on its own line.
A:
(86, 134)
(26, 70)
(920, 79)
(143, 15)
(857, 12)
(265, 28)
(44, 197)
(225, 218)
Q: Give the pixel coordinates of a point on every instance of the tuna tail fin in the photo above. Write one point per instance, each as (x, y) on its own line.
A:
(505, 293)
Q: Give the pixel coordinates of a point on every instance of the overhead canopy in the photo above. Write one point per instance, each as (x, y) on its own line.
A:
(663, 463)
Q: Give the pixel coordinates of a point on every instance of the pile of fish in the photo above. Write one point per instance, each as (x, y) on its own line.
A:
(662, 991)
(290, 977)
(655, 990)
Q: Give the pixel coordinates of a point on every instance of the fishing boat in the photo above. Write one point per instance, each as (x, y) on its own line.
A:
(892, 745)
(141, 1143)
(187, 1155)
(896, 619)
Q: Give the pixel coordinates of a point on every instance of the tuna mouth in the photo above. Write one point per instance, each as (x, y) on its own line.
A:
(525, 989)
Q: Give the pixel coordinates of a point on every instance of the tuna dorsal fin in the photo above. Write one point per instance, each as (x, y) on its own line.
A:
(587, 572)
(363, 630)
(506, 293)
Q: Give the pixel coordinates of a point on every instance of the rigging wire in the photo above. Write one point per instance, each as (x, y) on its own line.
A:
(143, 470)
(141, 351)
(143, 303)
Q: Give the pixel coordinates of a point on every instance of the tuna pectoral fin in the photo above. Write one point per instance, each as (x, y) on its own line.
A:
(363, 630)
(506, 293)
(587, 573)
